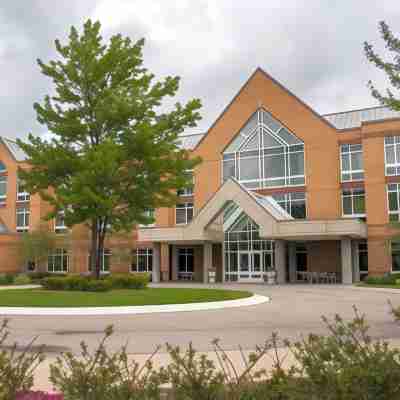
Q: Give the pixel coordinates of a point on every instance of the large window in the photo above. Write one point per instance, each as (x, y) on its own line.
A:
(392, 155)
(394, 201)
(351, 162)
(2, 167)
(58, 261)
(294, 203)
(105, 261)
(184, 213)
(3, 188)
(185, 263)
(395, 256)
(23, 214)
(353, 202)
(22, 194)
(246, 254)
(142, 260)
(265, 154)
(188, 191)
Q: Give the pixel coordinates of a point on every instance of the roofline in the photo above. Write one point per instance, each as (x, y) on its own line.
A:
(3, 140)
(259, 69)
(354, 110)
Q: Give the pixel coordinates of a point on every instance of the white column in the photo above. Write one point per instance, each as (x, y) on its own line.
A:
(292, 262)
(356, 261)
(280, 261)
(347, 270)
(207, 260)
(174, 261)
(156, 262)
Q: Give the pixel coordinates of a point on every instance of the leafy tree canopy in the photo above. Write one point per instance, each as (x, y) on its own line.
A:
(114, 151)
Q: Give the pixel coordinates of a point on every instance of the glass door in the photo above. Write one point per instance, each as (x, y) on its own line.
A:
(250, 266)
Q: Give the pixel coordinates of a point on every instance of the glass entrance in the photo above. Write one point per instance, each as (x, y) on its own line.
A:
(250, 266)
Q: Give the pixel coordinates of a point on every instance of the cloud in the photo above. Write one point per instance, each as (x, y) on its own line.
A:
(312, 47)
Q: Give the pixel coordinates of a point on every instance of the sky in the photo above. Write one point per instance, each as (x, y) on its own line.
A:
(313, 47)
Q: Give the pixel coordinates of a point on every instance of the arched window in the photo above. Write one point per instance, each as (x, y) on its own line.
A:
(265, 154)
(2, 167)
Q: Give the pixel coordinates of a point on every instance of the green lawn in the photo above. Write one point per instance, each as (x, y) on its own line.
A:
(150, 296)
(376, 285)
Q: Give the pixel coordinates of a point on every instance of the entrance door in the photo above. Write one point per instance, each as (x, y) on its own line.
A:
(250, 266)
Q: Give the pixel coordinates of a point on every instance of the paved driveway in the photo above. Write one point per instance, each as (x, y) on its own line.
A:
(293, 310)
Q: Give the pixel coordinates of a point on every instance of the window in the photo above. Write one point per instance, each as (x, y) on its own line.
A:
(3, 188)
(23, 214)
(59, 222)
(393, 201)
(22, 194)
(353, 202)
(185, 263)
(242, 239)
(293, 203)
(105, 261)
(265, 154)
(392, 155)
(395, 246)
(2, 167)
(351, 162)
(150, 214)
(184, 213)
(142, 260)
(188, 191)
(363, 258)
(58, 261)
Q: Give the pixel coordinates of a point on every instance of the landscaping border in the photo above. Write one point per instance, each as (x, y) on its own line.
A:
(124, 310)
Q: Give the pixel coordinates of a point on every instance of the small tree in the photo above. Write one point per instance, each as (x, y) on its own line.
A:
(391, 68)
(114, 153)
(35, 245)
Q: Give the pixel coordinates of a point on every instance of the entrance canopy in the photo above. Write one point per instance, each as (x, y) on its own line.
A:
(273, 220)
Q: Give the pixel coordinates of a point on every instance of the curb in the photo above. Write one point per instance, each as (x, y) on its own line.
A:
(131, 310)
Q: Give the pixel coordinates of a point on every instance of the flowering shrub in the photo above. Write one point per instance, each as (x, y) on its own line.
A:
(38, 396)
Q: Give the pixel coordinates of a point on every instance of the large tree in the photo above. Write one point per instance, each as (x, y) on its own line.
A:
(391, 67)
(114, 151)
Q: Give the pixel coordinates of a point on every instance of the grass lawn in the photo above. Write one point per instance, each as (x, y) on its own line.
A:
(126, 297)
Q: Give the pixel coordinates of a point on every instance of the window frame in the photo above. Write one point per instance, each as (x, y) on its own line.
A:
(396, 165)
(60, 228)
(395, 271)
(351, 171)
(106, 253)
(184, 206)
(288, 200)
(189, 190)
(23, 196)
(26, 218)
(146, 252)
(3, 181)
(342, 196)
(64, 254)
(397, 212)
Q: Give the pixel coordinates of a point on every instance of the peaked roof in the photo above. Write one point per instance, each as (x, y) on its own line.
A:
(14, 149)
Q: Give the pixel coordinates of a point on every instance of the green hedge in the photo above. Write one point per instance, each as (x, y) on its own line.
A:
(14, 279)
(382, 280)
(89, 284)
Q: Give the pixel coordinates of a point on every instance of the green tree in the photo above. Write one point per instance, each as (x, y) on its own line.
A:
(391, 68)
(115, 149)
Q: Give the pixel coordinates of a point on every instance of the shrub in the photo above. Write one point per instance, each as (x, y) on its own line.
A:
(99, 375)
(22, 279)
(382, 280)
(133, 281)
(38, 396)
(54, 283)
(6, 279)
(98, 285)
(36, 277)
(16, 367)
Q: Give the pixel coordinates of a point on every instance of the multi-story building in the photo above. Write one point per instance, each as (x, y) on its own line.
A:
(280, 187)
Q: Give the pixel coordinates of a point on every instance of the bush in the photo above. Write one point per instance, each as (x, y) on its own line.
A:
(22, 279)
(382, 280)
(6, 279)
(133, 281)
(16, 368)
(98, 285)
(54, 283)
(36, 277)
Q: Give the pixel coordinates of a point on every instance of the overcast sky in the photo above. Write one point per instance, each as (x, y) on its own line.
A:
(313, 47)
